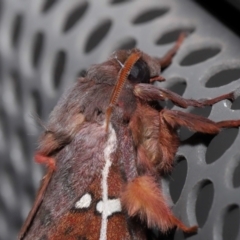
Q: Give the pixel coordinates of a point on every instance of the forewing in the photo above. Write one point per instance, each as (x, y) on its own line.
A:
(78, 164)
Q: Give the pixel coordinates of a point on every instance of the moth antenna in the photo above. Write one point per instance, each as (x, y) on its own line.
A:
(122, 76)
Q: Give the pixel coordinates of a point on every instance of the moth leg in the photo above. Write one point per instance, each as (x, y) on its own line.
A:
(149, 92)
(48, 145)
(45, 181)
(143, 198)
(43, 159)
(170, 120)
(195, 123)
(158, 79)
(175, 119)
(166, 60)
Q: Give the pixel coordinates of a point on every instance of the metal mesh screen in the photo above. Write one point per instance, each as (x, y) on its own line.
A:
(45, 45)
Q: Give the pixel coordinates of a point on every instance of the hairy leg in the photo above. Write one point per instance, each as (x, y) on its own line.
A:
(143, 198)
(149, 92)
(196, 123)
(166, 60)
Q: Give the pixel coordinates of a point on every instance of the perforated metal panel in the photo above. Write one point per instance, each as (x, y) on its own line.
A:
(45, 45)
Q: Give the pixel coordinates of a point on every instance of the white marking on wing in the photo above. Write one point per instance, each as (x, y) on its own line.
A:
(84, 201)
(113, 206)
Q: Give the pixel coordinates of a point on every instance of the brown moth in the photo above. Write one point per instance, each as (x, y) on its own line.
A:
(107, 143)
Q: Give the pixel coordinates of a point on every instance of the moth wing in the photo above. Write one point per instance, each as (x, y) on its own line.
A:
(78, 165)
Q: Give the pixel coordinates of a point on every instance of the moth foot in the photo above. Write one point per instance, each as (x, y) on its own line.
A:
(48, 161)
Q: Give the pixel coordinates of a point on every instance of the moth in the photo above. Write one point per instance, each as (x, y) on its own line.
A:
(106, 145)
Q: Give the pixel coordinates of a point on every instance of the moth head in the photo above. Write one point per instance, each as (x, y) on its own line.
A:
(135, 67)
(142, 70)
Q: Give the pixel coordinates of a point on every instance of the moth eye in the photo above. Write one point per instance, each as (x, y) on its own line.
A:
(139, 73)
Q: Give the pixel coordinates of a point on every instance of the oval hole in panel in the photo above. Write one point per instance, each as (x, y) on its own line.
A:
(236, 176)
(48, 4)
(38, 44)
(149, 15)
(178, 178)
(20, 151)
(12, 92)
(185, 133)
(198, 56)
(119, 1)
(3, 132)
(236, 104)
(16, 84)
(37, 104)
(220, 144)
(178, 85)
(223, 77)
(127, 44)
(74, 16)
(231, 223)
(173, 35)
(17, 30)
(58, 69)
(204, 202)
(97, 35)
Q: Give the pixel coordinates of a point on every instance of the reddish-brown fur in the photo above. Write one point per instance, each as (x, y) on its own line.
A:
(143, 197)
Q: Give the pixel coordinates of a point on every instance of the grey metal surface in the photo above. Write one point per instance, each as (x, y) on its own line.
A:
(45, 45)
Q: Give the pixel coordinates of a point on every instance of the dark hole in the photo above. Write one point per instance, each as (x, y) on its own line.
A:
(17, 29)
(97, 35)
(179, 87)
(23, 141)
(16, 85)
(37, 103)
(231, 223)
(198, 56)
(5, 125)
(224, 77)
(236, 104)
(204, 202)
(236, 176)
(172, 36)
(149, 15)
(184, 133)
(178, 178)
(220, 144)
(37, 48)
(59, 67)
(204, 112)
(48, 4)
(119, 1)
(74, 16)
(127, 44)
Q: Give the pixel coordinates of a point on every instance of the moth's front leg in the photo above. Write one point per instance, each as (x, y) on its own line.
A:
(143, 198)
(195, 123)
(166, 60)
(148, 92)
